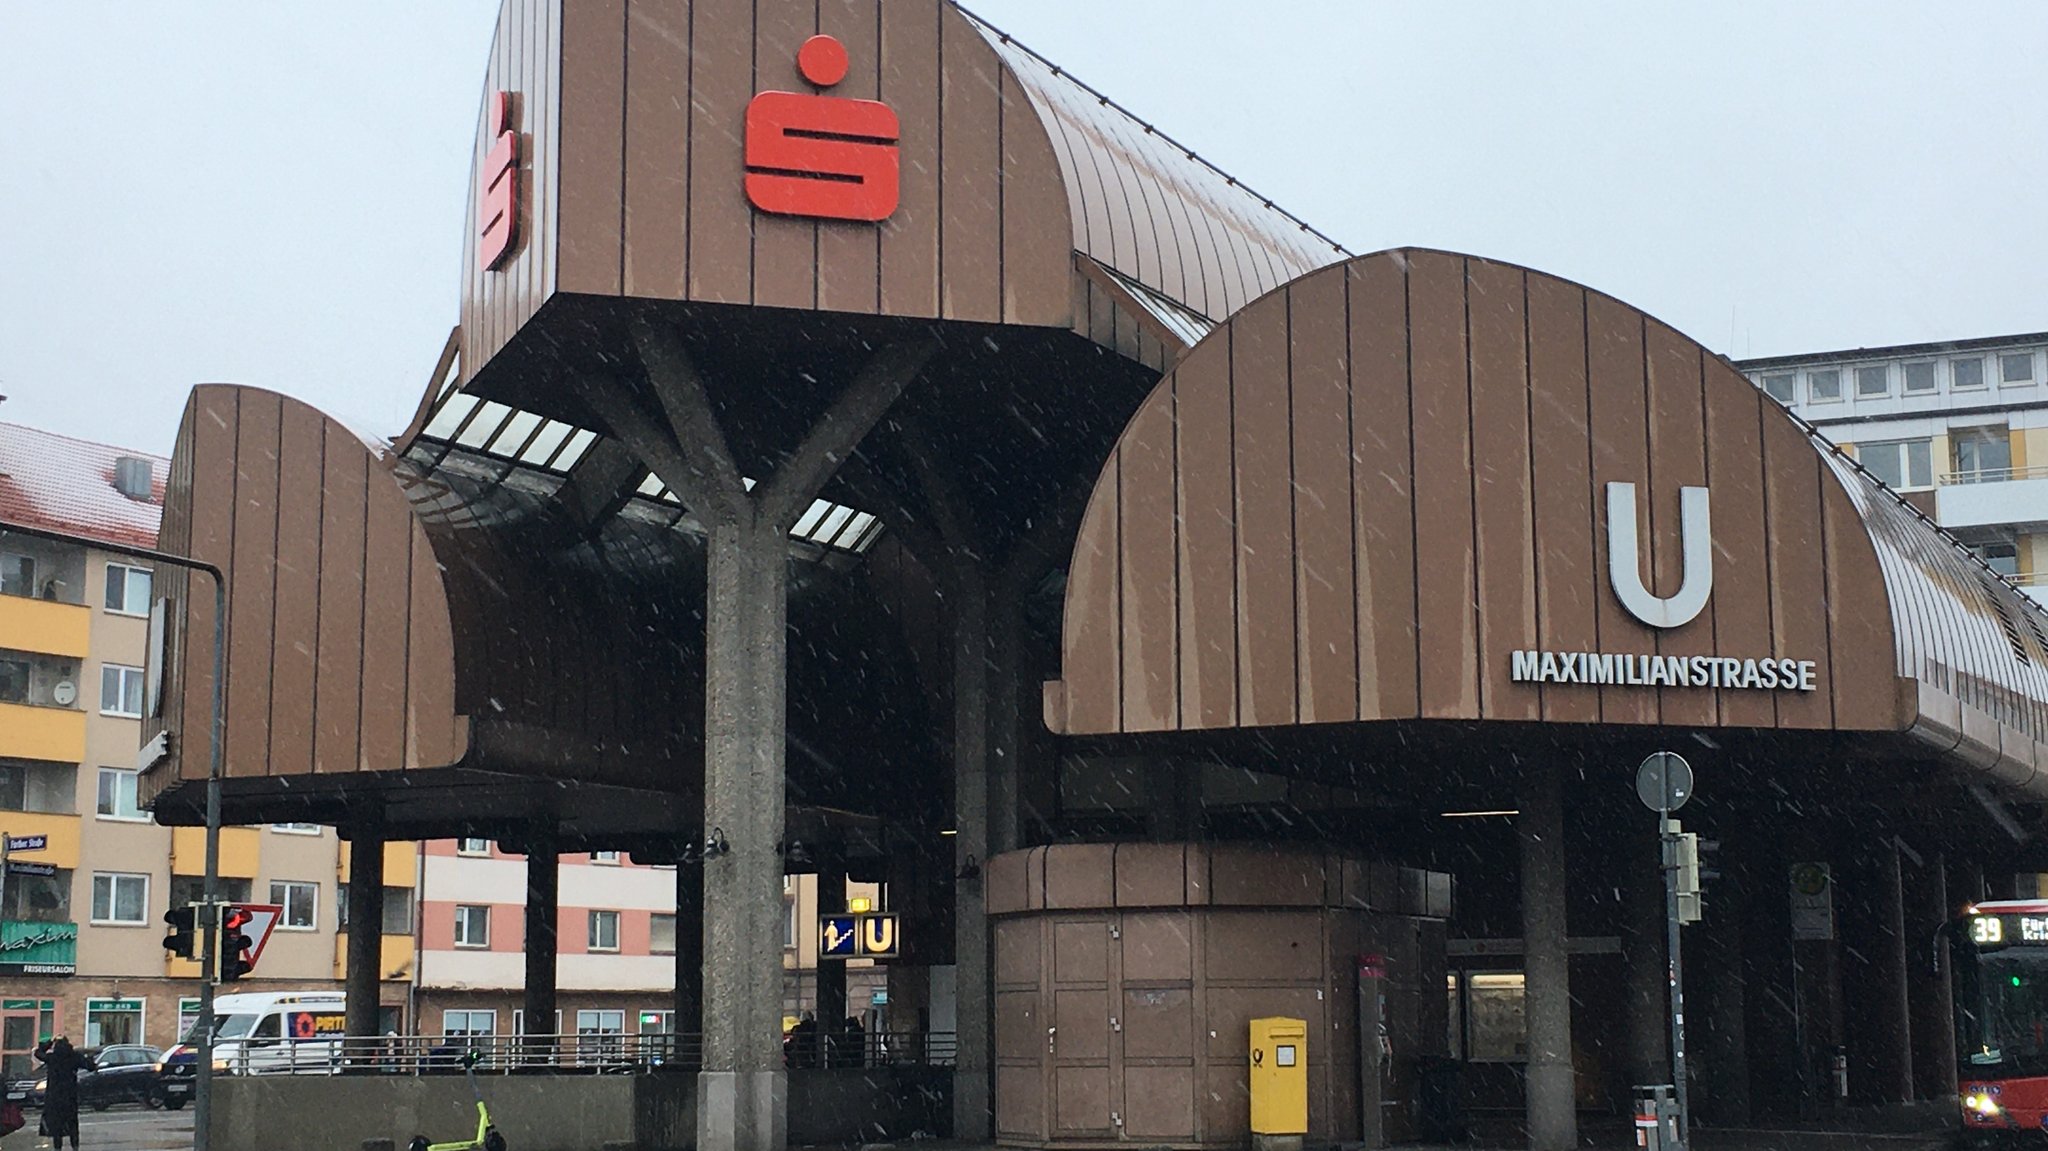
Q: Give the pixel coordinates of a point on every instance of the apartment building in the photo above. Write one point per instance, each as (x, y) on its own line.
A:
(81, 919)
(1959, 428)
(616, 941)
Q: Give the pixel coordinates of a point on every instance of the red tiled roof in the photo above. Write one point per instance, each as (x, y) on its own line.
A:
(67, 485)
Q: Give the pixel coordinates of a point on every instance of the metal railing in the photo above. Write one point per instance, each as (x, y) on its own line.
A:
(1992, 475)
(588, 1053)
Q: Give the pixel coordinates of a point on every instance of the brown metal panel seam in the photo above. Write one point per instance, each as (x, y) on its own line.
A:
(1179, 720)
(1770, 547)
(319, 601)
(1414, 504)
(1646, 501)
(1236, 530)
(1707, 477)
(1592, 480)
(689, 149)
(1293, 496)
(939, 205)
(412, 541)
(754, 85)
(227, 564)
(1821, 478)
(1002, 186)
(363, 621)
(1116, 569)
(881, 72)
(276, 521)
(1358, 618)
(1116, 125)
(625, 190)
(1472, 492)
(1529, 434)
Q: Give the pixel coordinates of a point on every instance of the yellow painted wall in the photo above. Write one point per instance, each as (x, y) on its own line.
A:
(395, 959)
(401, 863)
(44, 626)
(56, 734)
(241, 850)
(62, 830)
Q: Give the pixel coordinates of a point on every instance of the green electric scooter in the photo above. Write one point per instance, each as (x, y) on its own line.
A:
(487, 1137)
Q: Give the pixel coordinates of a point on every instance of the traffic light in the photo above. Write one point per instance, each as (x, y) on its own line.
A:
(184, 922)
(1690, 906)
(235, 943)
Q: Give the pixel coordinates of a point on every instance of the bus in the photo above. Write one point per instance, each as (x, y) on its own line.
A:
(1999, 954)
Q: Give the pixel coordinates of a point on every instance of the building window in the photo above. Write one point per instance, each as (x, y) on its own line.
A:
(519, 1023)
(128, 589)
(300, 902)
(1781, 386)
(117, 795)
(657, 1023)
(1873, 381)
(611, 857)
(1494, 1016)
(121, 691)
(604, 931)
(119, 898)
(472, 926)
(38, 898)
(1919, 377)
(1983, 455)
(1824, 385)
(2016, 368)
(14, 680)
(661, 933)
(296, 828)
(472, 847)
(2001, 556)
(1901, 464)
(17, 574)
(397, 909)
(598, 1032)
(189, 890)
(469, 1024)
(113, 1021)
(1966, 373)
(788, 924)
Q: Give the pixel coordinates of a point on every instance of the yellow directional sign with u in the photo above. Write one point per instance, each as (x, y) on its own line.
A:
(878, 936)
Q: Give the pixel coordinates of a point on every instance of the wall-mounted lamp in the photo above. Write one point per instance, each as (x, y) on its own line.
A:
(970, 870)
(715, 844)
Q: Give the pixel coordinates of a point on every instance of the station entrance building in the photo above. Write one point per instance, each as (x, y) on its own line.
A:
(866, 449)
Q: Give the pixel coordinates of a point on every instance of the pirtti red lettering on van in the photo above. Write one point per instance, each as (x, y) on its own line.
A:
(497, 210)
(829, 157)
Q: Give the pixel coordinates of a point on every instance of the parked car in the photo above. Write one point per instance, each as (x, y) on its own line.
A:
(127, 1074)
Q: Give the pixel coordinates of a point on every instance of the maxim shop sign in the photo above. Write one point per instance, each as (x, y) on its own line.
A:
(1625, 576)
(38, 948)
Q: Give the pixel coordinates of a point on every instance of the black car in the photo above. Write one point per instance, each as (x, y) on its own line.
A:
(127, 1074)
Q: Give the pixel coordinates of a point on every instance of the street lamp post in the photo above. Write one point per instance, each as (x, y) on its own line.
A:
(202, 1091)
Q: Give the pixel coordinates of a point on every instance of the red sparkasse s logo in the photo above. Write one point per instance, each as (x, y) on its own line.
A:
(825, 156)
(497, 210)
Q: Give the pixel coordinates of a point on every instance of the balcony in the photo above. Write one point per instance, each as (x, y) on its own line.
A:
(241, 849)
(401, 861)
(1993, 497)
(45, 627)
(394, 959)
(61, 831)
(29, 731)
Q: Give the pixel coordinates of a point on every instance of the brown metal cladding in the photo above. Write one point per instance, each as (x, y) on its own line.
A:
(338, 638)
(526, 61)
(1484, 410)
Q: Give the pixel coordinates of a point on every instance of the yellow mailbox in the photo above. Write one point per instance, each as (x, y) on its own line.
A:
(1279, 1076)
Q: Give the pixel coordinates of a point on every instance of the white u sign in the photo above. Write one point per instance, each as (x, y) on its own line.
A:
(1625, 564)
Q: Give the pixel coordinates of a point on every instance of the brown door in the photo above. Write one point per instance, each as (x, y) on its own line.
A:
(1021, 1019)
(17, 1043)
(1082, 964)
(1156, 1027)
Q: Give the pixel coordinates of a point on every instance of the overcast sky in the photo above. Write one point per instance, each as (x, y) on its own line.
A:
(272, 193)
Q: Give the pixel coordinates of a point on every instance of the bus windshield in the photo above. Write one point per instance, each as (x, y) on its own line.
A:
(2001, 1005)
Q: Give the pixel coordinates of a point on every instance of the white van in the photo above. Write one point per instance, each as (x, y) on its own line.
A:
(272, 1032)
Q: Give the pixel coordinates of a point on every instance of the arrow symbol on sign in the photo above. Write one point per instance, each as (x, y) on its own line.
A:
(838, 936)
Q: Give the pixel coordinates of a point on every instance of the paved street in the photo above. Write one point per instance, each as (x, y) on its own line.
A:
(121, 1129)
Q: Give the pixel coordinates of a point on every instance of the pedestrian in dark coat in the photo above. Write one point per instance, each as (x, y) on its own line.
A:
(61, 1065)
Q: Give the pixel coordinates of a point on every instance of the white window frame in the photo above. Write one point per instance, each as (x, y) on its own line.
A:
(115, 881)
(1884, 372)
(116, 816)
(1956, 385)
(469, 1021)
(599, 917)
(1814, 397)
(107, 590)
(654, 948)
(284, 917)
(1906, 387)
(2003, 382)
(607, 858)
(790, 935)
(1866, 452)
(462, 919)
(462, 847)
(1791, 380)
(122, 673)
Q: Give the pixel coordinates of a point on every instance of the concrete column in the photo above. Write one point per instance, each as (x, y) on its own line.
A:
(1645, 977)
(365, 932)
(1893, 1010)
(1720, 1038)
(973, 1073)
(1552, 1108)
(1927, 980)
(543, 888)
(742, 1091)
(689, 993)
(1005, 737)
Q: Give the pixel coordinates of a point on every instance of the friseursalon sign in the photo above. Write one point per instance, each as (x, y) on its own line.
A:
(1625, 575)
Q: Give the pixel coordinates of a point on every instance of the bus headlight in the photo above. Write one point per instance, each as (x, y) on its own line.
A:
(1982, 1105)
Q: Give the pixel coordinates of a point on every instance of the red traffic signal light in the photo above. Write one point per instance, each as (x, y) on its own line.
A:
(235, 944)
(184, 921)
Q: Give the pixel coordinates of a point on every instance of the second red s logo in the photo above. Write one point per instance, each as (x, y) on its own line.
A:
(825, 156)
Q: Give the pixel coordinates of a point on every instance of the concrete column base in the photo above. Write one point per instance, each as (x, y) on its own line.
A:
(1277, 1142)
(742, 1110)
